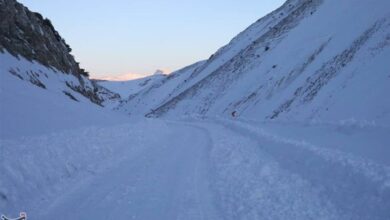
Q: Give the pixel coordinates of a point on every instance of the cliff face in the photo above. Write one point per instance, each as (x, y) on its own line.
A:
(28, 36)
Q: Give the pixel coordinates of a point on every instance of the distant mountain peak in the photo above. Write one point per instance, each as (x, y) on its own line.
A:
(160, 72)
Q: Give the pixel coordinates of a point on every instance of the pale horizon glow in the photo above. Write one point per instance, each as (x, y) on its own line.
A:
(118, 37)
(129, 76)
(119, 77)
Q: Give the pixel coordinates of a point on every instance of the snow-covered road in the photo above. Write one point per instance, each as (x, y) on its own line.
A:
(166, 180)
(287, 178)
(212, 169)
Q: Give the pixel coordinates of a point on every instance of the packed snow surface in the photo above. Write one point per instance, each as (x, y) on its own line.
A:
(199, 169)
(290, 120)
(80, 161)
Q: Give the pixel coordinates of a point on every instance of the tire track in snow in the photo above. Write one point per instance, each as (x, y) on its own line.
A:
(167, 180)
(359, 188)
(200, 192)
(250, 184)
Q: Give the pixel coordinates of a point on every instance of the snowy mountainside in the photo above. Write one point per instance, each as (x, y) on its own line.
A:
(45, 98)
(33, 51)
(30, 35)
(309, 60)
(240, 42)
(42, 87)
(157, 92)
(53, 80)
(189, 77)
(130, 87)
(36, 99)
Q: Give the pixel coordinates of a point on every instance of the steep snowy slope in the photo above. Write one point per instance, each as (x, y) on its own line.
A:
(309, 60)
(40, 118)
(154, 94)
(35, 99)
(29, 43)
(130, 87)
(42, 87)
(42, 92)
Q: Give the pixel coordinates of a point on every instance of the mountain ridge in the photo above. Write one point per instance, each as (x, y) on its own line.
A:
(295, 64)
(27, 35)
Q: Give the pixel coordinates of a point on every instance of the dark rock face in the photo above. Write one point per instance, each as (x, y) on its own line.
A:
(28, 34)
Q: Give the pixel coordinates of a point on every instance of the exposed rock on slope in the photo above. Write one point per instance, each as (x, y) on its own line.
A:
(28, 35)
(308, 60)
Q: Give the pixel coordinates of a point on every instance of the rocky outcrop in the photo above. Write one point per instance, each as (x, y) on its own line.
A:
(29, 35)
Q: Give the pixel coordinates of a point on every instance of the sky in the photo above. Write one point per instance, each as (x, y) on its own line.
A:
(134, 38)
